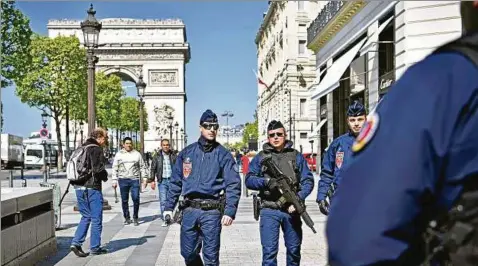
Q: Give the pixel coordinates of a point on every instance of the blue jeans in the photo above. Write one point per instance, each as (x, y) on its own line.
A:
(163, 188)
(126, 185)
(90, 206)
(270, 223)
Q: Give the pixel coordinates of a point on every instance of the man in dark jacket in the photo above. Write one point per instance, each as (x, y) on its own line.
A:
(204, 170)
(161, 168)
(89, 196)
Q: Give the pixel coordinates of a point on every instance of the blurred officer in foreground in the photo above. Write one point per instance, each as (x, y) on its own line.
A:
(203, 171)
(275, 214)
(339, 154)
(415, 172)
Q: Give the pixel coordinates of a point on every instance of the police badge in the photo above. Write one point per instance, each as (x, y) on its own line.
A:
(187, 167)
(339, 159)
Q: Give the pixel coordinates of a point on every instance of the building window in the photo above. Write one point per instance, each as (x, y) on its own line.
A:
(386, 59)
(302, 28)
(301, 5)
(302, 46)
(303, 135)
(302, 107)
(358, 80)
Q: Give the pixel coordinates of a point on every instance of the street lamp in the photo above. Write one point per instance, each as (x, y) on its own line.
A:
(182, 138)
(176, 145)
(141, 86)
(170, 118)
(91, 31)
(44, 117)
(227, 114)
(81, 132)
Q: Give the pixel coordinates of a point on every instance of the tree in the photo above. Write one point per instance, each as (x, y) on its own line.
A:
(130, 115)
(251, 131)
(56, 75)
(108, 94)
(16, 38)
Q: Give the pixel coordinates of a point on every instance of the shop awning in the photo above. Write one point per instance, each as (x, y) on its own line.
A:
(332, 79)
(374, 38)
(315, 133)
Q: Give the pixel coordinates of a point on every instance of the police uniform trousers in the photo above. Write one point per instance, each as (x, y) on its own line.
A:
(271, 221)
(200, 229)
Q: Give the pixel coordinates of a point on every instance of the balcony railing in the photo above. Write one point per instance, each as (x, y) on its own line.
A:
(326, 14)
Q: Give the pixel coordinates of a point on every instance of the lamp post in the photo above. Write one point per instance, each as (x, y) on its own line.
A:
(182, 138)
(141, 86)
(170, 118)
(227, 114)
(176, 145)
(81, 132)
(91, 31)
(44, 117)
(185, 139)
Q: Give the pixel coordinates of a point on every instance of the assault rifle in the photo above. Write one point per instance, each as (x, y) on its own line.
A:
(285, 188)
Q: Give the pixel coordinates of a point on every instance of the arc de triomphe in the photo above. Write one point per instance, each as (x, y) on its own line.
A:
(156, 49)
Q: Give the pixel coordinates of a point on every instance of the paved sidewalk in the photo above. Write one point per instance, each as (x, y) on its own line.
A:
(151, 244)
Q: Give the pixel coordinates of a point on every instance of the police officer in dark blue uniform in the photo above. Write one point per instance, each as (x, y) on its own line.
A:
(413, 162)
(204, 170)
(338, 155)
(274, 214)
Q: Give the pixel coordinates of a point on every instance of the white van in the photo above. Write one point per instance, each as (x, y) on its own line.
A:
(35, 154)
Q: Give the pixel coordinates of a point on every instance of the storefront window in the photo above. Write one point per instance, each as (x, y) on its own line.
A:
(358, 85)
(386, 59)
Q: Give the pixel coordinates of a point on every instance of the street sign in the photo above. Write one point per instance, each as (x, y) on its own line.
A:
(44, 133)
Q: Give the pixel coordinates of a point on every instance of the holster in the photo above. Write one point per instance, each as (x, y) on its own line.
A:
(256, 201)
(178, 215)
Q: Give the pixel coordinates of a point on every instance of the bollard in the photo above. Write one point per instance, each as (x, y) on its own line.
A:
(11, 178)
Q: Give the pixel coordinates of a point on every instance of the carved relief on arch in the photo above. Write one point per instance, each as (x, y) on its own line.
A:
(132, 71)
(162, 116)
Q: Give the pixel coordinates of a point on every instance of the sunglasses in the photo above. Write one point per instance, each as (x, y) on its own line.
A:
(279, 134)
(210, 126)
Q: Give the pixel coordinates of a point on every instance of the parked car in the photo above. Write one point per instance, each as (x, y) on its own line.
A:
(311, 160)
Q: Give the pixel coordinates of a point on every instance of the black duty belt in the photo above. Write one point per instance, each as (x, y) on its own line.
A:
(203, 204)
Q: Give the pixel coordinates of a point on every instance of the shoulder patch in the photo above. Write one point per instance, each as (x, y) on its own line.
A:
(367, 133)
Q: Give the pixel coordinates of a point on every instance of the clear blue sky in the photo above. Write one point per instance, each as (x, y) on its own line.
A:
(219, 75)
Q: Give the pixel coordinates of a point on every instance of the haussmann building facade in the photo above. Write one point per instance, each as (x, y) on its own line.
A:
(362, 47)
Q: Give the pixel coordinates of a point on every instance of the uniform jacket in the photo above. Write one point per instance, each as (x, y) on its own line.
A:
(97, 162)
(337, 156)
(203, 172)
(129, 165)
(255, 177)
(157, 165)
(424, 143)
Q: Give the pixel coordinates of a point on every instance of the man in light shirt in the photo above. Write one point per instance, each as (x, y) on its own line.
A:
(128, 171)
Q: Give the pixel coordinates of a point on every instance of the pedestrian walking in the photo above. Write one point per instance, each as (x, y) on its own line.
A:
(129, 171)
(162, 168)
(91, 172)
(206, 175)
(275, 213)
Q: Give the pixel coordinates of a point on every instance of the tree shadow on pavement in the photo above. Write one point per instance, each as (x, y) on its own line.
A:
(146, 219)
(117, 245)
(63, 248)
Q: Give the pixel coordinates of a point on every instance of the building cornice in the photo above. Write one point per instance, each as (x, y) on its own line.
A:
(265, 22)
(349, 10)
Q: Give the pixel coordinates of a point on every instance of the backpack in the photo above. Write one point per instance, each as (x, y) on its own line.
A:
(77, 168)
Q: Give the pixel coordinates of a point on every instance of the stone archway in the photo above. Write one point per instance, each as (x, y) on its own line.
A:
(157, 50)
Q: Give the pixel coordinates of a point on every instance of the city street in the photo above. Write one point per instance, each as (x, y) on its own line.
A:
(151, 244)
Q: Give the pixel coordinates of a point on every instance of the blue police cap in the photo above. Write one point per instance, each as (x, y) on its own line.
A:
(208, 116)
(356, 109)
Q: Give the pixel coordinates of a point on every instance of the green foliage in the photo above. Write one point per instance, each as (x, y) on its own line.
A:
(108, 96)
(251, 131)
(130, 115)
(16, 37)
(55, 77)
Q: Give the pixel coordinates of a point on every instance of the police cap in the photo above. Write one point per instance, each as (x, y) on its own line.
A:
(356, 109)
(274, 124)
(208, 117)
